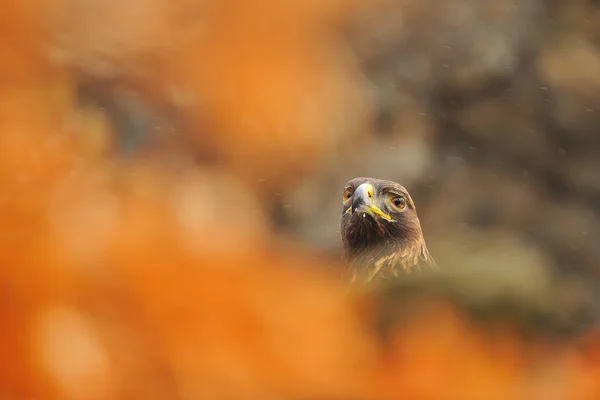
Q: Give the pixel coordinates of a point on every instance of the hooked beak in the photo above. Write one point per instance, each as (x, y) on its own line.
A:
(362, 201)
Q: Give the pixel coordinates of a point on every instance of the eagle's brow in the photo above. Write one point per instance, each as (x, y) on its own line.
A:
(396, 191)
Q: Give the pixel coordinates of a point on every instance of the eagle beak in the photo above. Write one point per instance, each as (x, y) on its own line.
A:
(362, 201)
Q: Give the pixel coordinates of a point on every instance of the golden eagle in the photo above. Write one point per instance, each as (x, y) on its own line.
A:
(380, 231)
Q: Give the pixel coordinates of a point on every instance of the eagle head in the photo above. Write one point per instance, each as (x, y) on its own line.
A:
(380, 230)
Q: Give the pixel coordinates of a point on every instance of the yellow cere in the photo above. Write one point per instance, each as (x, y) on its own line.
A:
(373, 207)
(370, 190)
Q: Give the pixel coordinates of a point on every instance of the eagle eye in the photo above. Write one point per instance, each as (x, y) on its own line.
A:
(399, 202)
(347, 194)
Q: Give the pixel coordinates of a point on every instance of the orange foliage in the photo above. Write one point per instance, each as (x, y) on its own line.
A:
(265, 86)
(127, 281)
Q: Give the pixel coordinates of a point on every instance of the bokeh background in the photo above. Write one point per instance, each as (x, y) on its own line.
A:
(170, 183)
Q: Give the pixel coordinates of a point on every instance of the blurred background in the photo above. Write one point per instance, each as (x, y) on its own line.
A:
(170, 185)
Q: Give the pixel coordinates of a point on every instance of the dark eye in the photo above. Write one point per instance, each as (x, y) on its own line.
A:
(347, 193)
(399, 202)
